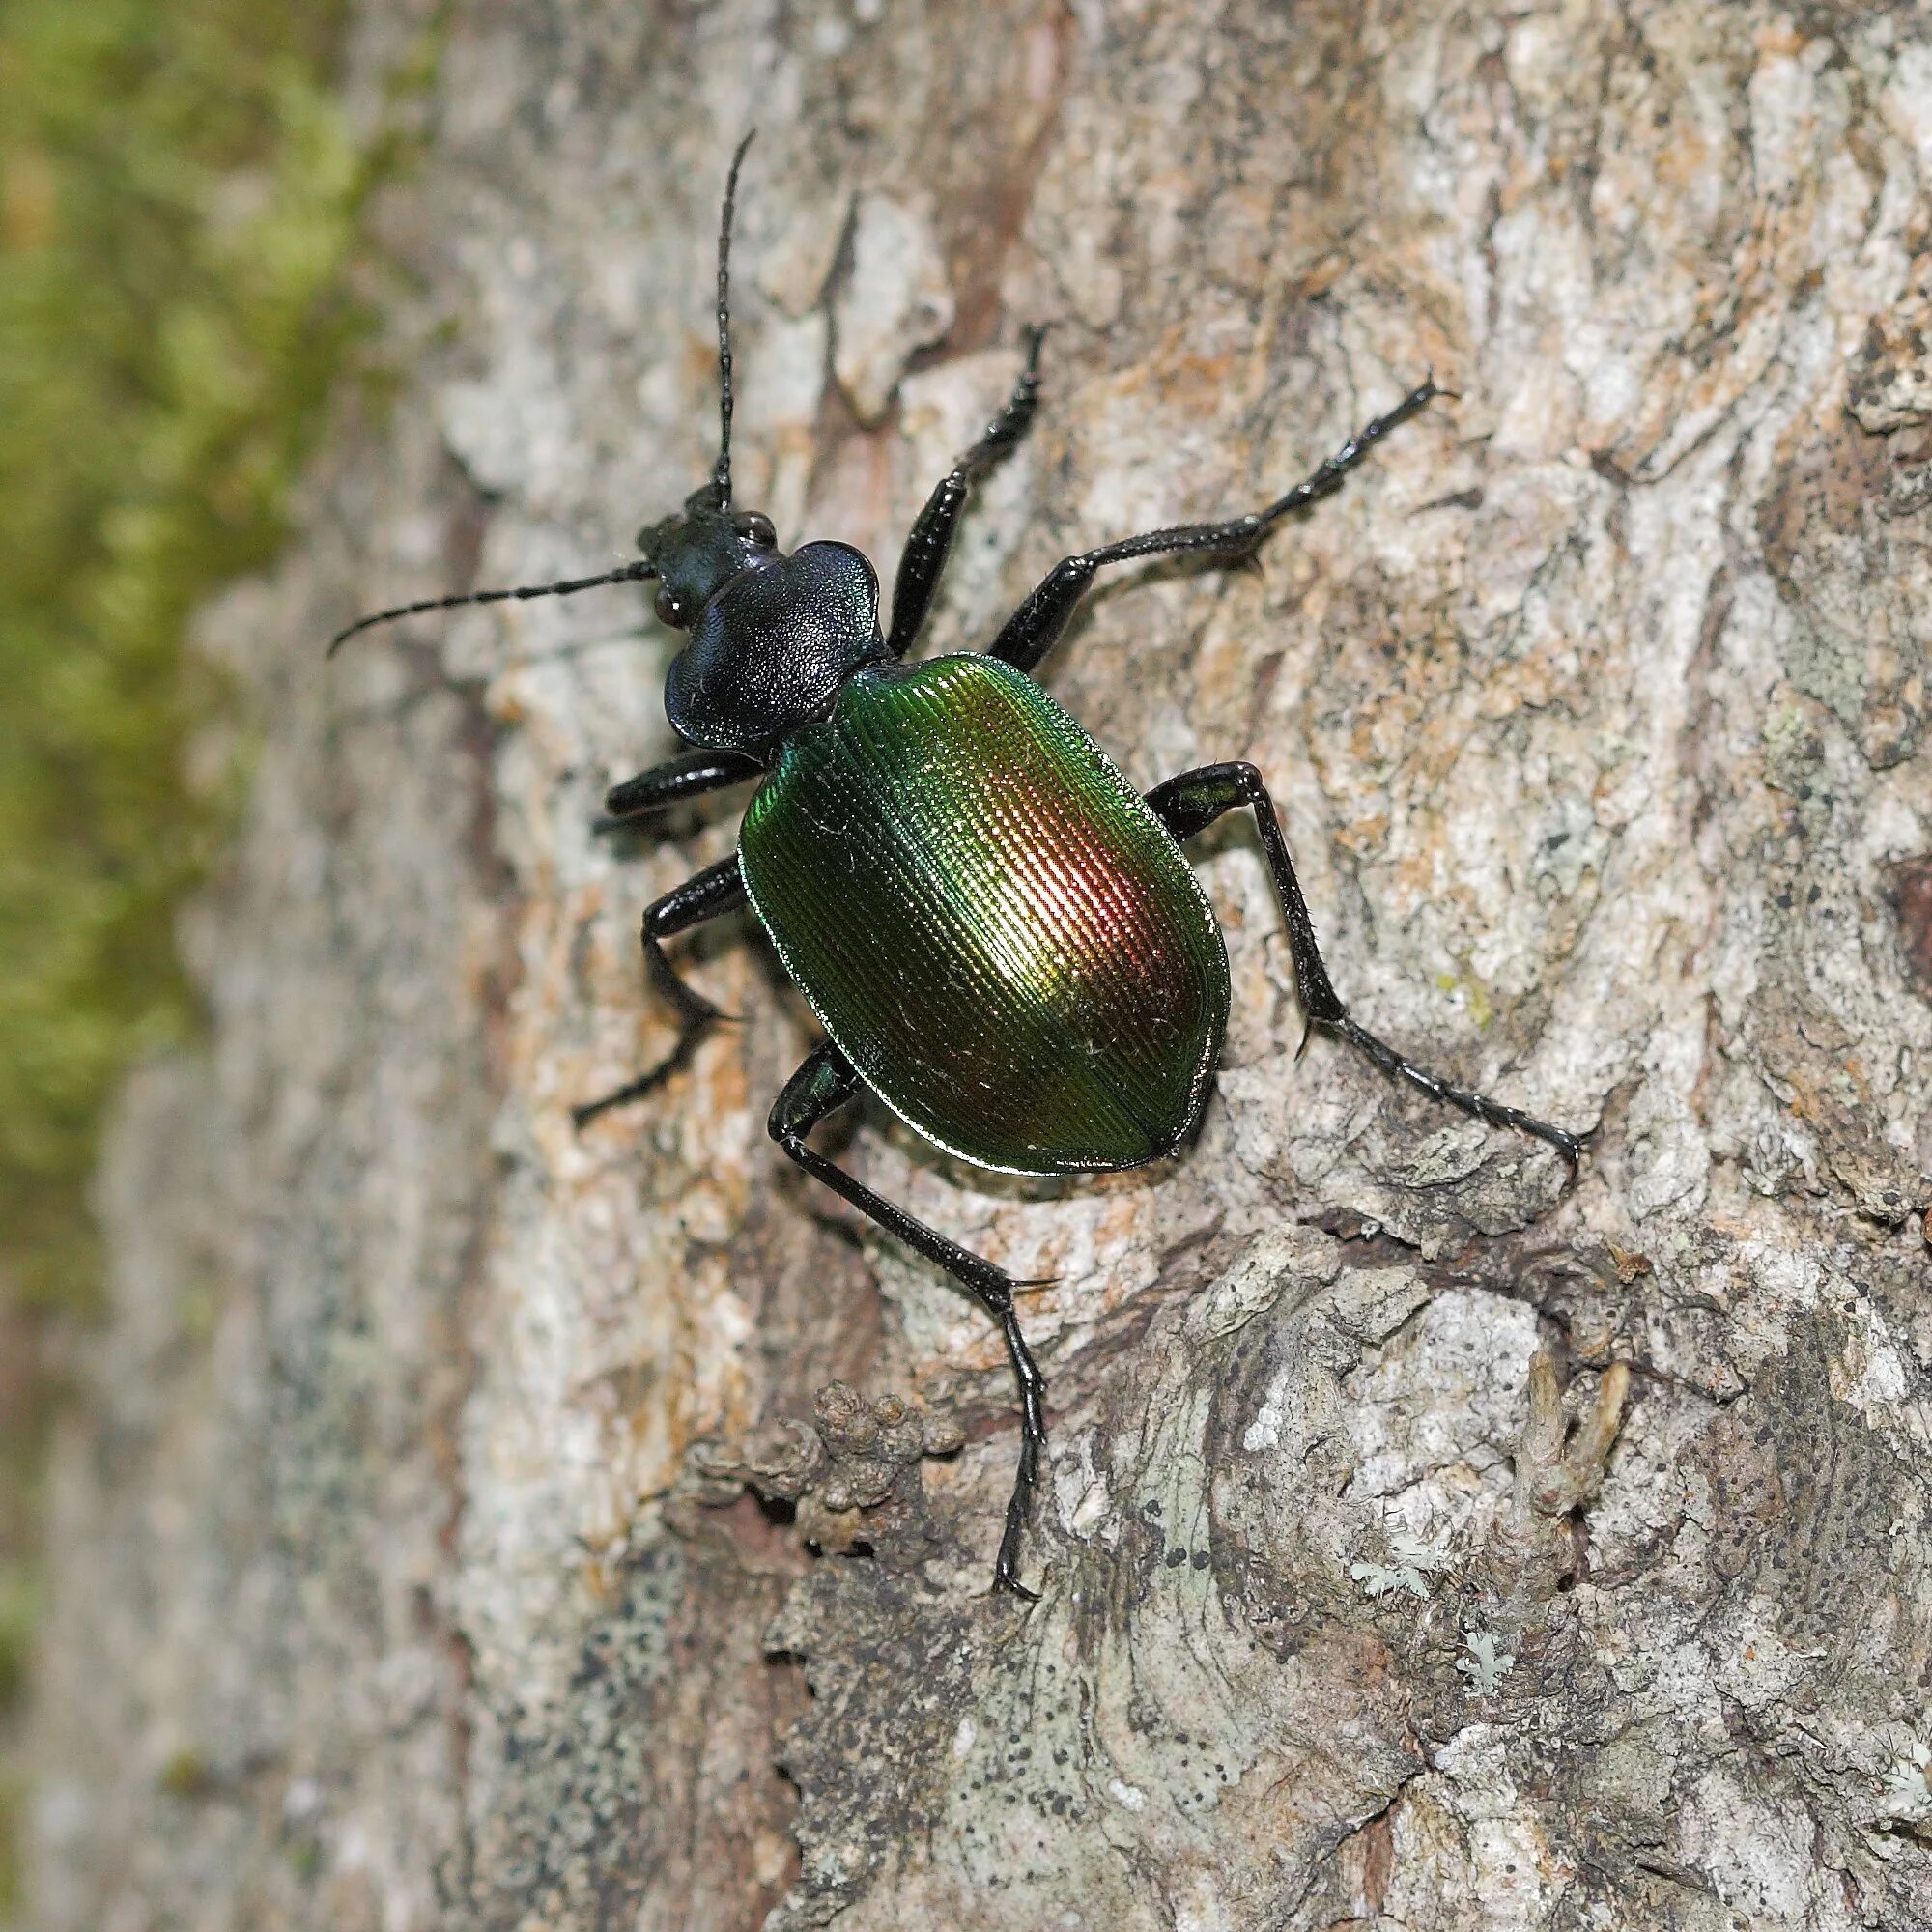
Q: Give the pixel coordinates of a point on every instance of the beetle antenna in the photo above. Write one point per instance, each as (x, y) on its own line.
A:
(630, 573)
(720, 478)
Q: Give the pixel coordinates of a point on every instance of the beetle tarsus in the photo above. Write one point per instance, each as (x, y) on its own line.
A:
(1493, 1113)
(645, 1083)
(1010, 1577)
(1032, 1440)
(1012, 422)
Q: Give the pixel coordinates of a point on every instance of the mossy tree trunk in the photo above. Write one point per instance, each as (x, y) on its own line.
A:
(390, 1592)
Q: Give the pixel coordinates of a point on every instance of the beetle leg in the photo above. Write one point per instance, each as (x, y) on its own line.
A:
(1192, 802)
(718, 888)
(1036, 627)
(677, 779)
(822, 1085)
(931, 536)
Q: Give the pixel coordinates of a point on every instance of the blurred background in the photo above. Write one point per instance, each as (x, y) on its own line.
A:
(180, 193)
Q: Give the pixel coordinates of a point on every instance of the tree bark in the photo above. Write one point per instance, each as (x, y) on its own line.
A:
(445, 1539)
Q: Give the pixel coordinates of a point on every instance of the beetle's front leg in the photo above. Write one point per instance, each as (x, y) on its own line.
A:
(677, 779)
(1194, 801)
(931, 536)
(822, 1085)
(718, 888)
(1036, 627)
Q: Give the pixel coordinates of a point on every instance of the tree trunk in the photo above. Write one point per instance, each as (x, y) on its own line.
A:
(407, 1570)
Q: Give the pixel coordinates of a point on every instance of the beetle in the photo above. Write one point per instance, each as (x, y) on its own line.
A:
(1001, 939)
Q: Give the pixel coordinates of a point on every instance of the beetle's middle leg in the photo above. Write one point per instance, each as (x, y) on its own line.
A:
(822, 1085)
(1191, 802)
(931, 536)
(1036, 627)
(718, 888)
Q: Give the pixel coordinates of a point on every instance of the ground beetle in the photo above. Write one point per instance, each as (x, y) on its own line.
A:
(1001, 939)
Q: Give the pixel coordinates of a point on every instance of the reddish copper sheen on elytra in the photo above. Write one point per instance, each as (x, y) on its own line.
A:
(990, 920)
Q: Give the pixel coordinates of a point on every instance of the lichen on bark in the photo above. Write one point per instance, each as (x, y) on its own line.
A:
(1595, 709)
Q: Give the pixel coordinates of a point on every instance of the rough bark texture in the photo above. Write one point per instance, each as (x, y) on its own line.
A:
(390, 1591)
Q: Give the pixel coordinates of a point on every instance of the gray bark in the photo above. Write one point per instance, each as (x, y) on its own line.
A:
(407, 1571)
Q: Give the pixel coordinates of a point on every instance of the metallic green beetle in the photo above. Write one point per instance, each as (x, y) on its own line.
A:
(1001, 937)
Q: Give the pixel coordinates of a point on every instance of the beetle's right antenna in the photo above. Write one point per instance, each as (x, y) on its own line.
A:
(630, 573)
(721, 477)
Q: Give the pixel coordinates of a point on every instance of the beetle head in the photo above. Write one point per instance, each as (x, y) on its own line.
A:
(699, 550)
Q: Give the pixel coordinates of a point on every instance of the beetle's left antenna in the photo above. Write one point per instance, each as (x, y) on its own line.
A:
(630, 573)
(721, 477)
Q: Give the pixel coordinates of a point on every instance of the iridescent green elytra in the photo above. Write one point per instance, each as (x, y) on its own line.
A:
(989, 922)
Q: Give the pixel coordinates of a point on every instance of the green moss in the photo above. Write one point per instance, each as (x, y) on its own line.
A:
(13, 1803)
(179, 198)
(20, 1604)
(179, 195)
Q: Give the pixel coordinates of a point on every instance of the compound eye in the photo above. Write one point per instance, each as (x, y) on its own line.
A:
(756, 525)
(670, 610)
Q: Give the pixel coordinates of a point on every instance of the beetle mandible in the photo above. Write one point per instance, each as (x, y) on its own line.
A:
(944, 830)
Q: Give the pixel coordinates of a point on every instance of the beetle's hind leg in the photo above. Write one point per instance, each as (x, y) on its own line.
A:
(821, 1085)
(718, 888)
(1191, 802)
